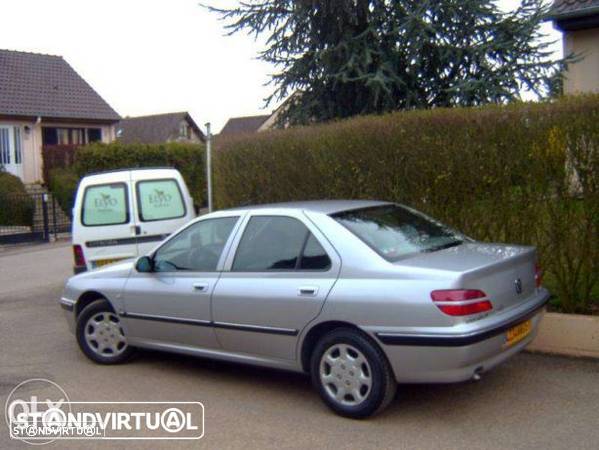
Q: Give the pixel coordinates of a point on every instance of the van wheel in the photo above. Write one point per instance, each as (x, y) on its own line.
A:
(352, 374)
(100, 334)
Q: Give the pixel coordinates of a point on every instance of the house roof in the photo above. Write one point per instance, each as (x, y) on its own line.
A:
(249, 124)
(565, 9)
(36, 85)
(154, 129)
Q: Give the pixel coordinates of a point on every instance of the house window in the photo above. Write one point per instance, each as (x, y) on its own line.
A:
(184, 130)
(4, 146)
(49, 136)
(70, 136)
(94, 134)
(77, 136)
(18, 154)
(62, 136)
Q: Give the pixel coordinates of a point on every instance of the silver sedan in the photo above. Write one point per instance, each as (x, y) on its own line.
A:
(361, 295)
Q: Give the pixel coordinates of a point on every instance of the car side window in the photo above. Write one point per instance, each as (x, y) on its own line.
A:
(271, 243)
(197, 248)
(314, 256)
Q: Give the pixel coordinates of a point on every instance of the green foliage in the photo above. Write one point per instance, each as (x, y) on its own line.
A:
(63, 185)
(524, 173)
(98, 157)
(351, 57)
(16, 206)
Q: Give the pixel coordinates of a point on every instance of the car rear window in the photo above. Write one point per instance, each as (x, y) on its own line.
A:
(395, 232)
(279, 243)
(105, 204)
(159, 200)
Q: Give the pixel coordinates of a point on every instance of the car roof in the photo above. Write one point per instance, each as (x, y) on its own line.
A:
(320, 206)
(121, 175)
(130, 169)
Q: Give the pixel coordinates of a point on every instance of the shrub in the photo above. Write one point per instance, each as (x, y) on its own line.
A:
(187, 158)
(63, 185)
(16, 206)
(523, 173)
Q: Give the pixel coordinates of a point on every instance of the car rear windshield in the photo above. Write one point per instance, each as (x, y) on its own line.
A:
(395, 232)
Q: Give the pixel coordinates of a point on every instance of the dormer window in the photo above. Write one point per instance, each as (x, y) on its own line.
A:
(184, 130)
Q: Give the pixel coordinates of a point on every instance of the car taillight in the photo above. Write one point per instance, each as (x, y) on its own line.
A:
(538, 275)
(78, 254)
(461, 302)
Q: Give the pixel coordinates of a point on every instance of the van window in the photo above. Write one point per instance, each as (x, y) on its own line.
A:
(105, 204)
(159, 200)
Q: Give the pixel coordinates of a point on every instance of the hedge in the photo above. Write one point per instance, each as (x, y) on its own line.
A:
(523, 173)
(16, 206)
(63, 185)
(98, 157)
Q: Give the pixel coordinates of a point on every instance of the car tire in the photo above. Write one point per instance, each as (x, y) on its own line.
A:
(351, 374)
(100, 334)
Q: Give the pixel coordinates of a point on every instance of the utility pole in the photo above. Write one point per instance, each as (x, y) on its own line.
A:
(209, 165)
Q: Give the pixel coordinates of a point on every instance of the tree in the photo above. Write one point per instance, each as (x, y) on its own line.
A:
(349, 57)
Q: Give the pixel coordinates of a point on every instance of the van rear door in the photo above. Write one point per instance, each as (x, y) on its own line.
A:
(107, 222)
(162, 205)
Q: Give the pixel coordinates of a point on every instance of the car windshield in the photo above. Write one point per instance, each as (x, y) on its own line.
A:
(394, 231)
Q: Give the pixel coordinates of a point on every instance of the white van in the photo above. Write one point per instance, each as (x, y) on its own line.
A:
(125, 213)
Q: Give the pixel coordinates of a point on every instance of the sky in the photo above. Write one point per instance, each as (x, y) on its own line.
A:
(153, 56)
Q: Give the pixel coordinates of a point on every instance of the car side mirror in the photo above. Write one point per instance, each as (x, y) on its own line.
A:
(145, 264)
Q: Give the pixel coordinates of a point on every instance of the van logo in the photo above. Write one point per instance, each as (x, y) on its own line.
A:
(106, 201)
(160, 199)
(518, 286)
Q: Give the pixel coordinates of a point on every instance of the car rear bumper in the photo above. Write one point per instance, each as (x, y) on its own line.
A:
(447, 357)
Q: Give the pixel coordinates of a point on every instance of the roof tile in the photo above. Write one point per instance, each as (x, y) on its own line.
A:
(33, 84)
(248, 124)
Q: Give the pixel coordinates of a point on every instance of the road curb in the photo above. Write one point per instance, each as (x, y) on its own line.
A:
(568, 334)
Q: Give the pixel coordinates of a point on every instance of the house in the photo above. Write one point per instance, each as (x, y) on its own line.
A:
(579, 21)
(159, 128)
(253, 124)
(44, 103)
(240, 125)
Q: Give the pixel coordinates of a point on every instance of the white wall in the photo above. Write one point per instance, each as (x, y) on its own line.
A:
(582, 76)
(31, 144)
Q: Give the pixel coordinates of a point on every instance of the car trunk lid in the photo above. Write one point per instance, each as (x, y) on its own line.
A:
(506, 273)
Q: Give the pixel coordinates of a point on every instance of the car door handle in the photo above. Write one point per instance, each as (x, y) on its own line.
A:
(308, 291)
(200, 287)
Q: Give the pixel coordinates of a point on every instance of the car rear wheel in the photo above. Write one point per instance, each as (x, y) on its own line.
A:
(352, 374)
(100, 334)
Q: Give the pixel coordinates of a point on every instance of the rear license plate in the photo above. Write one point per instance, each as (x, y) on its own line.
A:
(517, 333)
(103, 262)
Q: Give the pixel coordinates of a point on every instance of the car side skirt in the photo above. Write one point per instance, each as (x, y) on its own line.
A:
(208, 323)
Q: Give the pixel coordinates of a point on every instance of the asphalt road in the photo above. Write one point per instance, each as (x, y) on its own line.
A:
(533, 401)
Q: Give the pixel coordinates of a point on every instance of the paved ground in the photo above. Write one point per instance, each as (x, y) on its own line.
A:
(532, 401)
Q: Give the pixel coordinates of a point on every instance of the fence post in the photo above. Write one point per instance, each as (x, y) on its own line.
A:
(54, 218)
(45, 216)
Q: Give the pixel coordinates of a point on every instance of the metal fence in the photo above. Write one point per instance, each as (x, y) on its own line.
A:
(31, 217)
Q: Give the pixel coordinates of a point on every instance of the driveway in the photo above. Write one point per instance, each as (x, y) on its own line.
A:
(533, 401)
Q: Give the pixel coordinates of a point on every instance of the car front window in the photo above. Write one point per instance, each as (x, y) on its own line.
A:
(197, 248)
(395, 232)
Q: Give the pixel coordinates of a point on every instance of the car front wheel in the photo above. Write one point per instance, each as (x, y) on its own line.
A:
(352, 374)
(100, 334)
